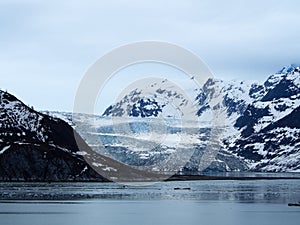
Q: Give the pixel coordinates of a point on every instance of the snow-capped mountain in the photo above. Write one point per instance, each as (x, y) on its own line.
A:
(259, 122)
(152, 100)
(36, 147)
(269, 127)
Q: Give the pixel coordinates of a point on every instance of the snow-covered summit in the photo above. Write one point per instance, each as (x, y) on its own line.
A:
(160, 97)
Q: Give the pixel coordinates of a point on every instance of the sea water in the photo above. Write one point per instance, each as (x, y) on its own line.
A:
(190, 202)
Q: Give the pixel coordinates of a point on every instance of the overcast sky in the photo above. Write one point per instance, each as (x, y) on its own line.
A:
(47, 46)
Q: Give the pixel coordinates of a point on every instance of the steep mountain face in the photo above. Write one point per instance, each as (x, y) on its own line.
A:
(269, 127)
(234, 95)
(260, 120)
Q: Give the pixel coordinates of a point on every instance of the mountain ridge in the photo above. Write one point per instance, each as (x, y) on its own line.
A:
(254, 110)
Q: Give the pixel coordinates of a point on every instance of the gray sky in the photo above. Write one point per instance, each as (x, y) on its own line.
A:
(46, 46)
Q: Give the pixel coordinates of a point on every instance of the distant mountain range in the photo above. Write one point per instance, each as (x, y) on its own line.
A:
(262, 133)
(262, 119)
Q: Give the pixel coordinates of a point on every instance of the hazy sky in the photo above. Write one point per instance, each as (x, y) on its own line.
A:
(46, 46)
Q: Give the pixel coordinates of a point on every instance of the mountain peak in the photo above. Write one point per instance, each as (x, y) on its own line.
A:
(5, 97)
(288, 69)
(150, 101)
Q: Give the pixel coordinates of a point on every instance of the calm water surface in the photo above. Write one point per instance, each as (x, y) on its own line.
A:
(207, 202)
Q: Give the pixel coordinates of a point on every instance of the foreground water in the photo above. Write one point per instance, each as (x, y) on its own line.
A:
(193, 202)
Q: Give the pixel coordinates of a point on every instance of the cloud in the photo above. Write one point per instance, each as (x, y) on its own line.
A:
(53, 43)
